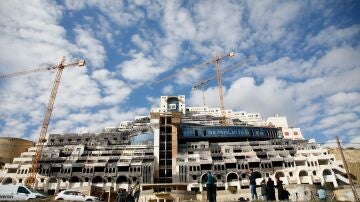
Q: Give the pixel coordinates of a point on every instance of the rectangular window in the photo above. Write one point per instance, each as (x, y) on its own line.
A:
(296, 133)
(286, 133)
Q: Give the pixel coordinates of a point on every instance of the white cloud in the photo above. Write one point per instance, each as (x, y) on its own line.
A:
(114, 91)
(154, 101)
(33, 29)
(141, 43)
(338, 60)
(269, 18)
(85, 96)
(178, 21)
(332, 36)
(75, 4)
(269, 98)
(345, 99)
(168, 90)
(90, 47)
(284, 68)
(219, 23)
(330, 122)
(114, 10)
(140, 68)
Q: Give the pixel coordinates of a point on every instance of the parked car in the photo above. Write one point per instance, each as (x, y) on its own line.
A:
(12, 192)
(73, 195)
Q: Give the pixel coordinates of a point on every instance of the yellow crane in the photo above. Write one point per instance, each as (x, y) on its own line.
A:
(216, 61)
(203, 82)
(42, 137)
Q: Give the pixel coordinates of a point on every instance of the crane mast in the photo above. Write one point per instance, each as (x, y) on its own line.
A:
(45, 124)
(203, 82)
(218, 75)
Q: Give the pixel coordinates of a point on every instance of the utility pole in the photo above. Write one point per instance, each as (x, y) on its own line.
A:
(356, 196)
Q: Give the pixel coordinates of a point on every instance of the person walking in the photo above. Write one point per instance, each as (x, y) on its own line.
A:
(136, 191)
(211, 187)
(271, 190)
(252, 180)
(279, 186)
(264, 191)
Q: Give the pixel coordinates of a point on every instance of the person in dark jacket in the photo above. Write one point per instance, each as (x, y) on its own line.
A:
(271, 190)
(121, 196)
(211, 187)
(285, 194)
(264, 191)
(252, 183)
(279, 186)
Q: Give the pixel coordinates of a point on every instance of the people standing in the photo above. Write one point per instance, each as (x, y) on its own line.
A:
(121, 196)
(264, 191)
(279, 186)
(271, 190)
(211, 187)
(252, 180)
(136, 191)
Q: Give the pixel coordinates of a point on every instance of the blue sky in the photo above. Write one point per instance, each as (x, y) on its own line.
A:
(301, 60)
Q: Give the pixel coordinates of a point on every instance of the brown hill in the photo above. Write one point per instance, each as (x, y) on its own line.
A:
(352, 157)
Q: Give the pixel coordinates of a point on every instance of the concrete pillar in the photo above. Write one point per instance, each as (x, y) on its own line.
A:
(238, 185)
(46, 188)
(322, 180)
(57, 186)
(334, 181)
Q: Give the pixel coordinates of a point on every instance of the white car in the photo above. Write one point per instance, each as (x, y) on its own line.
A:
(12, 192)
(73, 195)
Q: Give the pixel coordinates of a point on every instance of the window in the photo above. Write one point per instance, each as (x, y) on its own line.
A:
(227, 150)
(172, 106)
(286, 133)
(194, 177)
(296, 133)
(23, 190)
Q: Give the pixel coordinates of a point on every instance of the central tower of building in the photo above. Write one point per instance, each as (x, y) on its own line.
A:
(165, 123)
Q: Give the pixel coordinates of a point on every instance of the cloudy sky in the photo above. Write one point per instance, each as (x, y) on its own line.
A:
(300, 59)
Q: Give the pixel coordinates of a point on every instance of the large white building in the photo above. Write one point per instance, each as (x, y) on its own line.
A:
(183, 144)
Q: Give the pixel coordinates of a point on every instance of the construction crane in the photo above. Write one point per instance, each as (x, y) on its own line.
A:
(42, 137)
(203, 82)
(216, 61)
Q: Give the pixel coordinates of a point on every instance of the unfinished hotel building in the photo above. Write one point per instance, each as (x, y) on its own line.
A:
(177, 145)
